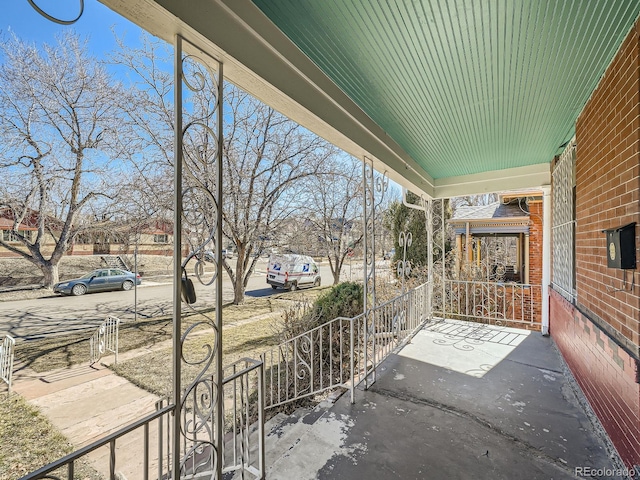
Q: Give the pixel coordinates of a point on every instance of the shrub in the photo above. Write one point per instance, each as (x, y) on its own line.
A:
(311, 362)
(343, 300)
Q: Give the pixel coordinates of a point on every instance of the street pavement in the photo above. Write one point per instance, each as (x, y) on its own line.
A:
(60, 315)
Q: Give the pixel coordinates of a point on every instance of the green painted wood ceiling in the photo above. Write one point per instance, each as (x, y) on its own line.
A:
(463, 86)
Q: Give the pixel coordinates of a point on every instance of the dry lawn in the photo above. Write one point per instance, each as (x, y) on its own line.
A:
(153, 370)
(65, 351)
(28, 441)
(248, 331)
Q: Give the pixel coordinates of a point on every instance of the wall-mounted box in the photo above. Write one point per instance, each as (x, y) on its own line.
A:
(621, 247)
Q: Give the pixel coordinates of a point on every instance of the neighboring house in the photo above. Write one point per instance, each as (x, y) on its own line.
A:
(151, 238)
(500, 241)
(27, 229)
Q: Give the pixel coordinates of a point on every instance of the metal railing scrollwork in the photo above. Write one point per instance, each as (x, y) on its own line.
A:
(6, 360)
(59, 21)
(370, 185)
(198, 178)
(503, 304)
(342, 352)
(404, 265)
(105, 339)
(242, 447)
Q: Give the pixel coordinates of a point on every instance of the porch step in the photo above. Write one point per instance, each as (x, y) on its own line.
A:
(304, 442)
(114, 261)
(284, 436)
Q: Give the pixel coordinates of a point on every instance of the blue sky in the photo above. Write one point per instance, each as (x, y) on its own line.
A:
(96, 22)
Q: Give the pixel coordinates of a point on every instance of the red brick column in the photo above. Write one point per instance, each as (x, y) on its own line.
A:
(535, 255)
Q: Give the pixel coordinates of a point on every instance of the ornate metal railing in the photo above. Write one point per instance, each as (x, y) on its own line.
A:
(6, 360)
(310, 363)
(397, 320)
(244, 418)
(65, 467)
(243, 447)
(243, 425)
(491, 302)
(342, 352)
(105, 339)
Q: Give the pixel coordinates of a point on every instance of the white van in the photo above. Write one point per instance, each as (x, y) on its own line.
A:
(292, 272)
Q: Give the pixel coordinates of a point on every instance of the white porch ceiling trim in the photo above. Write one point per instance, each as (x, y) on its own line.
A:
(260, 59)
(496, 181)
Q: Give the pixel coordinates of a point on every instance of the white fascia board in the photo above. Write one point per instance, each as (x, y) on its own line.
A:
(530, 176)
(260, 59)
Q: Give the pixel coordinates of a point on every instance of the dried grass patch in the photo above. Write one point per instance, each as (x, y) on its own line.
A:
(68, 350)
(153, 371)
(242, 336)
(29, 441)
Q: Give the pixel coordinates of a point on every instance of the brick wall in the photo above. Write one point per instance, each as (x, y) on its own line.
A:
(605, 372)
(535, 255)
(599, 338)
(607, 190)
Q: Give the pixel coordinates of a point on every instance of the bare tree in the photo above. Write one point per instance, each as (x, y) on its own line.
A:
(335, 211)
(58, 128)
(266, 156)
(269, 161)
(474, 200)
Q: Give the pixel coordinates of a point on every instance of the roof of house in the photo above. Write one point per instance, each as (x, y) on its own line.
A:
(497, 210)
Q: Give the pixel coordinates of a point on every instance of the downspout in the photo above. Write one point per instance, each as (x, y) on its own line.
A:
(546, 256)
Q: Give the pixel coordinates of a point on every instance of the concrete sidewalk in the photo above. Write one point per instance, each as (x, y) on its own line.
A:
(85, 403)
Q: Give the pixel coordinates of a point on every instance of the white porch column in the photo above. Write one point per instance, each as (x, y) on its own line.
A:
(546, 256)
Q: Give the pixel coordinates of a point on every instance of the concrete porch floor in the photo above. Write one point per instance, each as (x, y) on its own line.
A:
(462, 400)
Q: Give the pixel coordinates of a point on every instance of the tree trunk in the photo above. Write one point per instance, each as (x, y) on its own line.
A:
(51, 274)
(336, 276)
(239, 280)
(238, 291)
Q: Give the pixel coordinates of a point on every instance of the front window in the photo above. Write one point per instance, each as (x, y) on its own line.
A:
(161, 238)
(11, 236)
(564, 220)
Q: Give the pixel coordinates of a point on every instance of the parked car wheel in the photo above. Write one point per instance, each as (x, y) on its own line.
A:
(275, 287)
(294, 286)
(127, 285)
(316, 283)
(79, 289)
